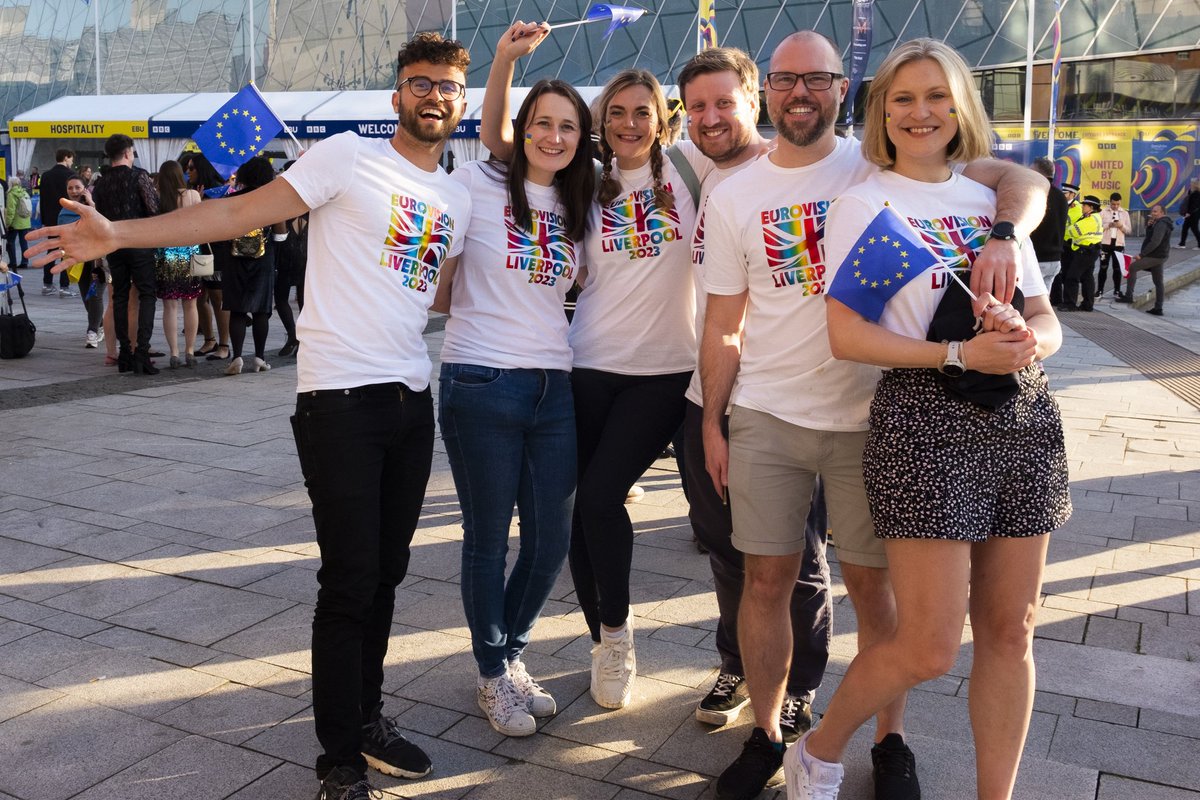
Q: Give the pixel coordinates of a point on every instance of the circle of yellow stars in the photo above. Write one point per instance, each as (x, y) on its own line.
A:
(886, 281)
(235, 151)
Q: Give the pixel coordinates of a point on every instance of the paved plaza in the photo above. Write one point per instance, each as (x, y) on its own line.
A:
(157, 576)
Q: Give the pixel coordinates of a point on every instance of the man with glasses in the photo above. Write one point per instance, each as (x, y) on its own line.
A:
(385, 220)
(797, 412)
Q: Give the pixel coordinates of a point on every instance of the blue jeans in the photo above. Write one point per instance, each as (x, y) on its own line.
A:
(510, 437)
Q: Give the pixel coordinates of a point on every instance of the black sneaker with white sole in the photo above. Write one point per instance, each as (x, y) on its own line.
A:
(795, 717)
(894, 768)
(760, 765)
(345, 783)
(386, 749)
(722, 705)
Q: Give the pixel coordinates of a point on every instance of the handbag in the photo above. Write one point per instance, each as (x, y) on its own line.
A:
(202, 262)
(17, 331)
(251, 245)
(954, 321)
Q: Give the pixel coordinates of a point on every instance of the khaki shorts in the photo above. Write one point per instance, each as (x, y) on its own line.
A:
(772, 467)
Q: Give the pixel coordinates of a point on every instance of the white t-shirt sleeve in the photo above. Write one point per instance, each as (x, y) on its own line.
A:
(725, 266)
(323, 173)
(847, 218)
(701, 164)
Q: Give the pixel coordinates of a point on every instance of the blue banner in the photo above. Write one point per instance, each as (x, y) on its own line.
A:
(860, 52)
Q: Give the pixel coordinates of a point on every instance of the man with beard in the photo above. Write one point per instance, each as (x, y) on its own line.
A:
(385, 219)
(719, 88)
(799, 414)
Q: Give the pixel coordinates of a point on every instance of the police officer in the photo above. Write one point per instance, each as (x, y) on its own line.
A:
(1083, 238)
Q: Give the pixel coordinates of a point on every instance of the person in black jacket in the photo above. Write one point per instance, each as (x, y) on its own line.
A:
(1155, 249)
(1190, 211)
(54, 188)
(128, 192)
(1047, 237)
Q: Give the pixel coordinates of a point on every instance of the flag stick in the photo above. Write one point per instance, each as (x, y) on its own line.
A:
(287, 128)
(921, 242)
(579, 22)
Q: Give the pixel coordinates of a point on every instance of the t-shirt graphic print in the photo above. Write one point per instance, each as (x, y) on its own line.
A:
(417, 242)
(954, 240)
(544, 250)
(792, 244)
(634, 224)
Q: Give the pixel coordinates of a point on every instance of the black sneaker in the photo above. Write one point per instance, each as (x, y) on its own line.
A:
(795, 717)
(1157, 312)
(344, 783)
(722, 705)
(895, 770)
(760, 765)
(386, 749)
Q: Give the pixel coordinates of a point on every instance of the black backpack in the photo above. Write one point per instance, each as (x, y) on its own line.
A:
(17, 331)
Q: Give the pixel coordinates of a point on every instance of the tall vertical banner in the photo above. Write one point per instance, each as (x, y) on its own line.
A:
(1055, 72)
(860, 51)
(706, 31)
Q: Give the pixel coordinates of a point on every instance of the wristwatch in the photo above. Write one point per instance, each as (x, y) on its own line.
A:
(1003, 230)
(953, 364)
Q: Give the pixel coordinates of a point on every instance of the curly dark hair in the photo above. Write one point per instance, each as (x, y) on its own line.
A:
(433, 49)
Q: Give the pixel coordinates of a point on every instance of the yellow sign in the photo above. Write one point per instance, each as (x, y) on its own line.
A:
(76, 129)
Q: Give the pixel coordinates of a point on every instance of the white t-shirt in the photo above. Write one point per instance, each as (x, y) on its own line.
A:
(763, 231)
(379, 233)
(637, 314)
(952, 218)
(506, 309)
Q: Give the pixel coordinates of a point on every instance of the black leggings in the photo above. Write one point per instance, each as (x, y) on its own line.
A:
(622, 423)
(237, 332)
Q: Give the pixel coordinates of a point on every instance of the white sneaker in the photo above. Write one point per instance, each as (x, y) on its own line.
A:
(99, 336)
(505, 707)
(539, 702)
(47, 290)
(67, 293)
(614, 666)
(810, 778)
(92, 340)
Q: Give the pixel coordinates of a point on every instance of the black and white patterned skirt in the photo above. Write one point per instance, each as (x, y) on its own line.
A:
(938, 467)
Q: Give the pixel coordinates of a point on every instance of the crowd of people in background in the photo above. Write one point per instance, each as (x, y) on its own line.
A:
(120, 291)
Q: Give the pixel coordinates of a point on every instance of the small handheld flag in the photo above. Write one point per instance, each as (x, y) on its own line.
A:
(884, 259)
(618, 16)
(1126, 264)
(238, 131)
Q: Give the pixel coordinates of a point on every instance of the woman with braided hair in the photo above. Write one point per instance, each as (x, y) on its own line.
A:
(633, 335)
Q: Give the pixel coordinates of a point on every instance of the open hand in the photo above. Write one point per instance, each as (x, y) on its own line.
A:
(90, 238)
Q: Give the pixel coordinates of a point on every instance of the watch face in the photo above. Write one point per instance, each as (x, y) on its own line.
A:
(1003, 230)
(953, 370)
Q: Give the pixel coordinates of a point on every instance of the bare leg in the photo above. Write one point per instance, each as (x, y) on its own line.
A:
(870, 591)
(222, 322)
(1006, 579)
(110, 333)
(190, 322)
(204, 317)
(134, 311)
(170, 323)
(929, 616)
(765, 634)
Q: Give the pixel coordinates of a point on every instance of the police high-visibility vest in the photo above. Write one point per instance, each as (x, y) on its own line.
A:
(1086, 231)
(1074, 213)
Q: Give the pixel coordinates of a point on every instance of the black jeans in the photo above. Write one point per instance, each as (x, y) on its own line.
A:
(366, 454)
(1083, 272)
(812, 606)
(1191, 222)
(1155, 267)
(622, 424)
(136, 267)
(13, 236)
(1108, 255)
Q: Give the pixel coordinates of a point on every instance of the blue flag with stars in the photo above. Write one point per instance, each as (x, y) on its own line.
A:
(885, 258)
(238, 131)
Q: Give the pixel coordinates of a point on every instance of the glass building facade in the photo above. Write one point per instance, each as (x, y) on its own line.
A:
(1125, 59)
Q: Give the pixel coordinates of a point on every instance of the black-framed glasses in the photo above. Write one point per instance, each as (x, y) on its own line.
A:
(421, 86)
(816, 81)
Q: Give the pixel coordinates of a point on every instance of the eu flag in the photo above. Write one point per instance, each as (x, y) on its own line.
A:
(886, 256)
(238, 131)
(620, 16)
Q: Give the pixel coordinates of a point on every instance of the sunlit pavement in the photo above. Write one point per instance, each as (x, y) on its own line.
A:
(157, 575)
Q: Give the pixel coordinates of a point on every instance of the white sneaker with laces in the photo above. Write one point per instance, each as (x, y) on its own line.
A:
(539, 702)
(505, 706)
(614, 666)
(810, 778)
(92, 340)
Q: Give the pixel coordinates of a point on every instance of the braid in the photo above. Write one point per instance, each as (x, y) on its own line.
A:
(662, 196)
(609, 187)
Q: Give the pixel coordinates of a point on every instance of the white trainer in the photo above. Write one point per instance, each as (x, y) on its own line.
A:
(809, 778)
(614, 666)
(539, 702)
(505, 706)
(92, 340)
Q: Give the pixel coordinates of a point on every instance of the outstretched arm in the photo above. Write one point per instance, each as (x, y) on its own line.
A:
(94, 236)
(495, 127)
(1021, 200)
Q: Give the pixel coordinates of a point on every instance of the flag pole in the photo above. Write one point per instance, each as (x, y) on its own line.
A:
(250, 4)
(287, 128)
(96, 12)
(1028, 130)
(1055, 70)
